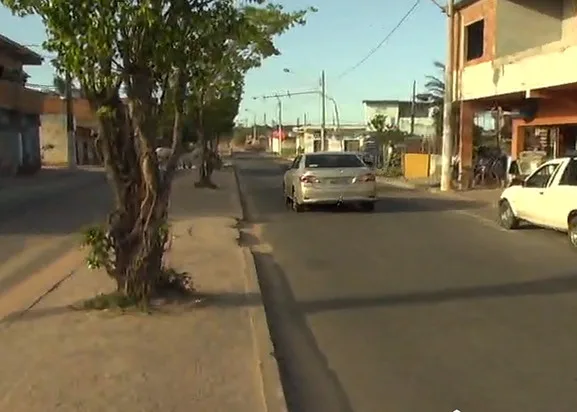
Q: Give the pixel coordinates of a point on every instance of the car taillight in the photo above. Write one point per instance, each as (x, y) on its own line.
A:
(369, 177)
(309, 179)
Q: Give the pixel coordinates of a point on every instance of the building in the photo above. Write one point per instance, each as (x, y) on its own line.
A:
(54, 137)
(398, 114)
(19, 111)
(343, 138)
(518, 56)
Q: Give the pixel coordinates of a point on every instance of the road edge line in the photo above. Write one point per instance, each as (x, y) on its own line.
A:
(271, 385)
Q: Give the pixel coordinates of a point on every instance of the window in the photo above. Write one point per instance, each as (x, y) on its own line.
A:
(541, 177)
(296, 162)
(474, 40)
(323, 161)
(569, 177)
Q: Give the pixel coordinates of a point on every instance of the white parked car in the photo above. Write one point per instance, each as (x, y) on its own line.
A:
(546, 198)
(330, 178)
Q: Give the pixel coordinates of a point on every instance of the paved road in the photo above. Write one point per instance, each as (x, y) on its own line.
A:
(44, 229)
(424, 305)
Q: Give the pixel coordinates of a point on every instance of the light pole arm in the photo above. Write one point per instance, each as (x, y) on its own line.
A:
(336, 108)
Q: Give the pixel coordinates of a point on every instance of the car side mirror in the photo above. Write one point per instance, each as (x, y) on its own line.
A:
(517, 181)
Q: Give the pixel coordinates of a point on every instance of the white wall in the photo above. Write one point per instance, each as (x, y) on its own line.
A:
(554, 67)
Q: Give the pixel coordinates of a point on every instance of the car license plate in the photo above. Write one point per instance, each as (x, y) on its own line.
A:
(340, 181)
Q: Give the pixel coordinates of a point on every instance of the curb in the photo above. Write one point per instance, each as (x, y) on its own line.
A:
(397, 183)
(272, 390)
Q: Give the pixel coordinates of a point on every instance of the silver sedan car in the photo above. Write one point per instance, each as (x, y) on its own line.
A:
(330, 178)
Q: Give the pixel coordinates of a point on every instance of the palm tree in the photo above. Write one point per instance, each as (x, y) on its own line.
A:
(435, 95)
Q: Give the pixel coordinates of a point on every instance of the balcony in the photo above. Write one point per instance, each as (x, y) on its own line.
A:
(14, 96)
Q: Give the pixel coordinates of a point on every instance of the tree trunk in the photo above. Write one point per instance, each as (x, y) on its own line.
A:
(206, 165)
(140, 207)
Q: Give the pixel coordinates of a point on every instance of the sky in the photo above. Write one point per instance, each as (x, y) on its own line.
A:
(337, 37)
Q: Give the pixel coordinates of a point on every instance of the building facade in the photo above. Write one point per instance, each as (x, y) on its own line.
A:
(399, 114)
(517, 56)
(19, 111)
(56, 147)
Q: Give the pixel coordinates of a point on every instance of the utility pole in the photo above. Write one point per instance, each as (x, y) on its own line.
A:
(323, 111)
(264, 120)
(279, 125)
(70, 122)
(254, 137)
(413, 104)
(305, 120)
(447, 154)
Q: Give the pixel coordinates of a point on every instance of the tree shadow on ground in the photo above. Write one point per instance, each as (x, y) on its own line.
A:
(541, 287)
(197, 301)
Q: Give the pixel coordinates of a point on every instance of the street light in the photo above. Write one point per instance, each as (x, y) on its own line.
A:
(324, 97)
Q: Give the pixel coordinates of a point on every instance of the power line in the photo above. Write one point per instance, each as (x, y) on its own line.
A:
(382, 42)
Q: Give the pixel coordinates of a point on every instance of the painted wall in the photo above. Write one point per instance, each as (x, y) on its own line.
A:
(520, 73)
(53, 133)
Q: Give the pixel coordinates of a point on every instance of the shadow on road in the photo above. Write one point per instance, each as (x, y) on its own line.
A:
(551, 286)
(310, 385)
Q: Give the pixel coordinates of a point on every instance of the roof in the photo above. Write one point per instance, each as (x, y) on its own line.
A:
(22, 53)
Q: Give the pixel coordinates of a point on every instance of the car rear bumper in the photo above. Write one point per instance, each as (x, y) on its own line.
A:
(346, 194)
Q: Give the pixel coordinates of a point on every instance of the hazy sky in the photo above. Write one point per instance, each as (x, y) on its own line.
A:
(335, 38)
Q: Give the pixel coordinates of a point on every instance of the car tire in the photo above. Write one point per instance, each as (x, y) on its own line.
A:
(368, 207)
(507, 218)
(572, 231)
(296, 206)
(287, 199)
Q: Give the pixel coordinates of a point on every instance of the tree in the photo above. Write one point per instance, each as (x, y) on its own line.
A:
(59, 85)
(434, 94)
(155, 50)
(385, 133)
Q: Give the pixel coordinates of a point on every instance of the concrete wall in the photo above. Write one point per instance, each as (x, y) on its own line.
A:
(53, 133)
(547, 29)
(525, 24)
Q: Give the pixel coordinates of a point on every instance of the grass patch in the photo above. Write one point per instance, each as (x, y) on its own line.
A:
(104, 301)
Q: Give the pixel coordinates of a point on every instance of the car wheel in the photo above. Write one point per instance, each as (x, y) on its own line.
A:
(572, 231)
(287, 199)
(296, 206)
(368, 206)
(507, 218)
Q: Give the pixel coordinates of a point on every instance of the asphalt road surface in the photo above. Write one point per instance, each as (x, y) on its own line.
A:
(423, 305)
(44, 229)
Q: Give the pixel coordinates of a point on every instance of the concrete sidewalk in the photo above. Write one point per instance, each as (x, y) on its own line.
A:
(486, 196)
(194, 357)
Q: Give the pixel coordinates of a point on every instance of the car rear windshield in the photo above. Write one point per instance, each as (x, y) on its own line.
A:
(332, 161)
